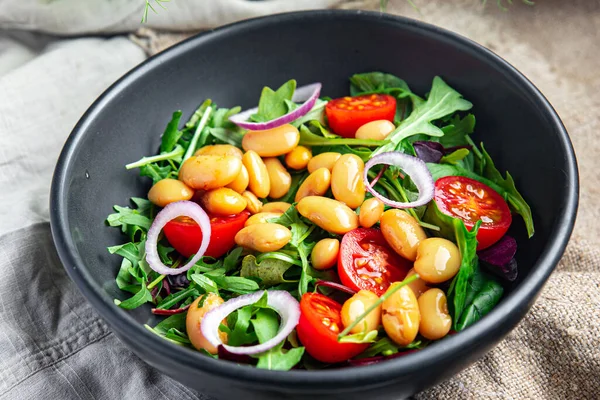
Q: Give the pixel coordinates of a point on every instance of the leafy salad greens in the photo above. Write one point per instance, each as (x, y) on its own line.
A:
(435, 130)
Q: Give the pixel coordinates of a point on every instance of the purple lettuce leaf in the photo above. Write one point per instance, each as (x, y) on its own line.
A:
(499, 259)
(429, 152)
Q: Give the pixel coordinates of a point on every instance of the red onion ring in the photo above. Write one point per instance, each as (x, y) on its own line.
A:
(281, 301)
(413, 167)
(171, 211)
(309, 94)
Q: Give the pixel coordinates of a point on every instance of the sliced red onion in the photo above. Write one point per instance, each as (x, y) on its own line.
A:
(309, 94)
(413, 167)
(281, 301)
(178, 209)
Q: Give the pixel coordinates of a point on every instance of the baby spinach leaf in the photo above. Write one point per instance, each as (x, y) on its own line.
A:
(486, 298)
(467, 244)
(176, 321)
(266, 324)
(516, 202)
(234, 284)
(141, 297)
(272, 104)
(269, 271)
(442, 101)
(171, 134)
(279, 359)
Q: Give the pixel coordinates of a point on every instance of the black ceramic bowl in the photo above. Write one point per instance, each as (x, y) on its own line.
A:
(231, 65)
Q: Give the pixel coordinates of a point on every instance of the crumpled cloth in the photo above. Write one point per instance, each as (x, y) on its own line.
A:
(52, 343)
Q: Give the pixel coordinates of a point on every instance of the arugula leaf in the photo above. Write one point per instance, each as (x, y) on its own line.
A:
(272, 104)
(227, 136)
(386, 347)
(141, 297)
(178, 297)
(207, 284)
(127, 216)
(483, 301)
(175, 335)
(307, 138)
(234, 284)
(360, 337)
(239, 334)
(279, 359)
(442, 101)
(363, 152)
(315, 113)
(171, 134)
(269, 271)
(516, 202)
(128, 251)
(174, 155)
(455, 157)
(456, 133)
(231, 260)
(467, 244)
(155, 172)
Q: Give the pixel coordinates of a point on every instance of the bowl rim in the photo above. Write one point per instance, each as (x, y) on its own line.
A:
(520, 299)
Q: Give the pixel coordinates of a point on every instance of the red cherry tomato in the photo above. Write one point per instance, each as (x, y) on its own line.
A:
(318, 329)
(346, 114)
(185, 235)
(367, 262)
(471, 201)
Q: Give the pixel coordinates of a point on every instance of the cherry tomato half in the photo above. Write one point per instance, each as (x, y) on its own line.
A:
(185, 235)
(471, 201)
(318, 329)
(367, 262)
(346, 114)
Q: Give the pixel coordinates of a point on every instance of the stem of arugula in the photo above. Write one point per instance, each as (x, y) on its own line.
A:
(194, 142)
(161, 157)
(161, 277)
(383, 298)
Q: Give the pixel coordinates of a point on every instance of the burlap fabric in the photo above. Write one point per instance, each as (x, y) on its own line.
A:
(555, 352)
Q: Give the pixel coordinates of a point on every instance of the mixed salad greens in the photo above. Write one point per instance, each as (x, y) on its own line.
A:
(312, 232)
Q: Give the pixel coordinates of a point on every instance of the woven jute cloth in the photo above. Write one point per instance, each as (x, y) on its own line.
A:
(554, 353)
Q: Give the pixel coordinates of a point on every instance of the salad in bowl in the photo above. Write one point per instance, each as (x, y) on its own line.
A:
(312, 232)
